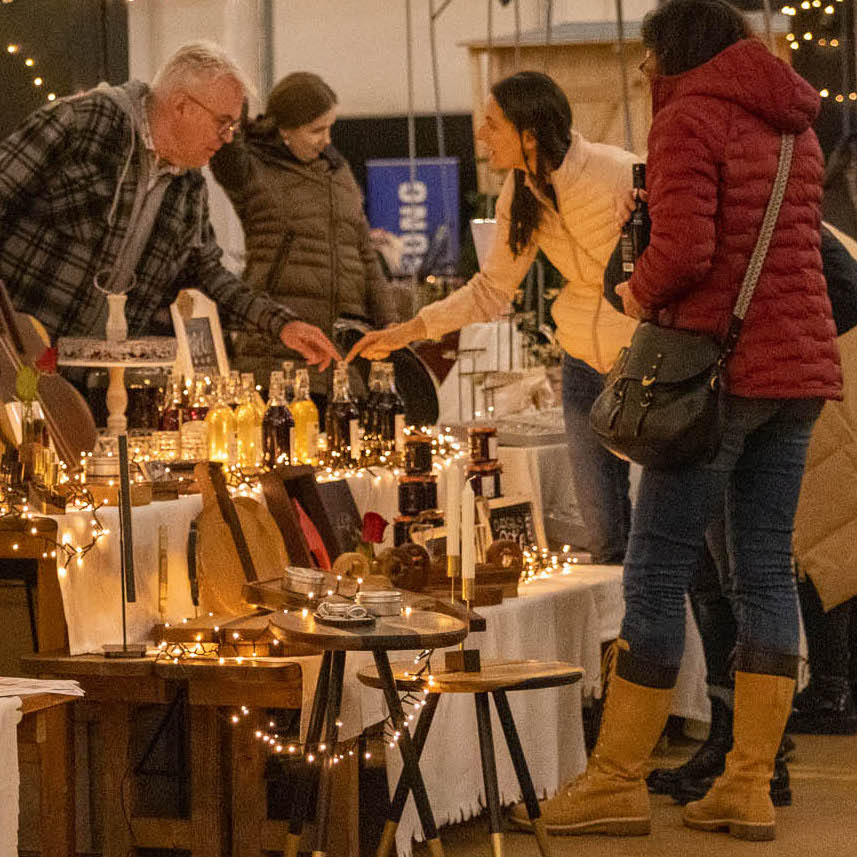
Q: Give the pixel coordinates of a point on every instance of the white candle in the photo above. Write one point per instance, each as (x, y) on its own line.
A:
(453, 519)
(468, 541)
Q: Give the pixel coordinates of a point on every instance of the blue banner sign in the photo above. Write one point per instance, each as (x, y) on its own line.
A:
(423, 213)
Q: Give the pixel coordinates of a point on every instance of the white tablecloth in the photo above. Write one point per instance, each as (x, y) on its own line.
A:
(92, 592)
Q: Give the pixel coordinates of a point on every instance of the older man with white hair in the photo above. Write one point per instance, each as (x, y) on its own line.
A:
(103, 191)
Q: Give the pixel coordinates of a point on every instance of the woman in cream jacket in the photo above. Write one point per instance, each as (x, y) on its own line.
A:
(561, 197)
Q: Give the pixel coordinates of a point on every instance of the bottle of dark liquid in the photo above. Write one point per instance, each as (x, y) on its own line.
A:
(278, 435)
(342, 423)
(635, 233)
(369, 415)
(289, 380)
(390, 417)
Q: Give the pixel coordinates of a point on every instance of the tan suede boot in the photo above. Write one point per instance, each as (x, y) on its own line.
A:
(740, 799)
(611, 797)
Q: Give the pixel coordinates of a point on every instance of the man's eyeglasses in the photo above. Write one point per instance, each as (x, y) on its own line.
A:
(225, 124)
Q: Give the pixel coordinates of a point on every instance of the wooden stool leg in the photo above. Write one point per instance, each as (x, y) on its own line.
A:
(410, 760)
(513, 742)
(400, 797)
(331, 733)
(316, 721)
(489, 772)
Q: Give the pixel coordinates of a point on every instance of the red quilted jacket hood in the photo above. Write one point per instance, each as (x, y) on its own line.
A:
(747, 74)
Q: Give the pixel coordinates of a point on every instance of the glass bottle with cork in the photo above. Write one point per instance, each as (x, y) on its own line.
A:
(170, 423)
(221, 424)
(369, 414)
(391, 417)
(278, 434)
(305, 415)
(289, 380)
(342, 422)
(248, 424)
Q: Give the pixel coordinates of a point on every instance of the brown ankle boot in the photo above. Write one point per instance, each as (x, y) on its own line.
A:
(740, 800)
(611, 797)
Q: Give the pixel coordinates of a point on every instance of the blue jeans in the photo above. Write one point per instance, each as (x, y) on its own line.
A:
(600, 478)
(758, 470)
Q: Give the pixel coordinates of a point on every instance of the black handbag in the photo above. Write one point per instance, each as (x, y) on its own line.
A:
(663, 403)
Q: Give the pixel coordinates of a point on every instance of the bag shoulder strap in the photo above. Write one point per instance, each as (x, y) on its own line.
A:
(757, 260)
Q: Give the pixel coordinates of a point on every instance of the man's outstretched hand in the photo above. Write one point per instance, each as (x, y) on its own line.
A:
(310, 343)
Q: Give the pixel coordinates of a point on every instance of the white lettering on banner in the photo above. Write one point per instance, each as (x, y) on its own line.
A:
(413, 223)
(413, 192)
(412, 218)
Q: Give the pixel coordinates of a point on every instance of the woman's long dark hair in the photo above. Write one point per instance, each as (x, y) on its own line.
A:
(684, 34)
(533, 102)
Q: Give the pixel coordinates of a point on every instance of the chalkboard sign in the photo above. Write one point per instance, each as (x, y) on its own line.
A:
(513, 521)
(200, 340)
(201, 349)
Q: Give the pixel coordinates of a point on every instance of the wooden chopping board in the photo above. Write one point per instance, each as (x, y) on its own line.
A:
(221, 570)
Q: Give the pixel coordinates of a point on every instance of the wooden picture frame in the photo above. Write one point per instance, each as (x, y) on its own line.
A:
(516, 519)
(201, 348)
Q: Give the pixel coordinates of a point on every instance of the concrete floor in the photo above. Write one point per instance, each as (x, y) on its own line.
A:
(821, 821)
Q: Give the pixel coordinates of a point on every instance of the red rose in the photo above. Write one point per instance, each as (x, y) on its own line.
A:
(48, 361)
(373, 528)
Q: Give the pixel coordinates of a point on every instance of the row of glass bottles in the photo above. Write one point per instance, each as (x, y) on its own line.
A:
(231, 423)
(371, 434)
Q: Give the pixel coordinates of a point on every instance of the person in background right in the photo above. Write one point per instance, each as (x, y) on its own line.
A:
(714, 148)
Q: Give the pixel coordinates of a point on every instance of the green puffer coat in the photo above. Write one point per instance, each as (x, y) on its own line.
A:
(306, 237)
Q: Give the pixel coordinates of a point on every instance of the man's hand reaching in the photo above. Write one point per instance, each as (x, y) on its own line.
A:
(310, 343)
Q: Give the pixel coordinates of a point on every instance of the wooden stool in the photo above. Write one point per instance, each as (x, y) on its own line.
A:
(496, 677)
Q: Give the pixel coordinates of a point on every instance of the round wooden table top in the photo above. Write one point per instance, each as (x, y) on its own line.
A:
(494, 675)
(421, 629)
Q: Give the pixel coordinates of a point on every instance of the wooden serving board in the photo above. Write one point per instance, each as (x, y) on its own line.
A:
(224, 564)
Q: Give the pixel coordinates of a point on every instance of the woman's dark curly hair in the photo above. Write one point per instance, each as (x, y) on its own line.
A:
(684, 34)
(533, 102)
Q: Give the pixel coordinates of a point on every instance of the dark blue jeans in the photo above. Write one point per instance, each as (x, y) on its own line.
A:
(758, 470)
(600, 478)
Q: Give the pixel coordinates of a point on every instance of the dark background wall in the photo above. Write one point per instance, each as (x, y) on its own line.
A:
(75, 44)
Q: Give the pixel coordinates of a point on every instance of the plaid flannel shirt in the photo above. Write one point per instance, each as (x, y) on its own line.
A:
(62, 221)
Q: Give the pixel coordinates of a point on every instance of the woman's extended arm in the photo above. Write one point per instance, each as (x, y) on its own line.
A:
(485, 297)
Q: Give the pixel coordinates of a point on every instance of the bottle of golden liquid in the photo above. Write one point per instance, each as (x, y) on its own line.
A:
(305, 415)
(221, 427)
(249, 424)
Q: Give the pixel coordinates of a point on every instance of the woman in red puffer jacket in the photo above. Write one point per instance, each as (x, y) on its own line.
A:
(721, 105)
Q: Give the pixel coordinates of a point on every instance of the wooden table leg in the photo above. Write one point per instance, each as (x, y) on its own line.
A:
(410, 760)
(327, 756)
(249, 800)
(118, 781)
(400, 796)
(207, 817)
(519, 761)
(300, 809)
(489, 772)
(55, 741)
